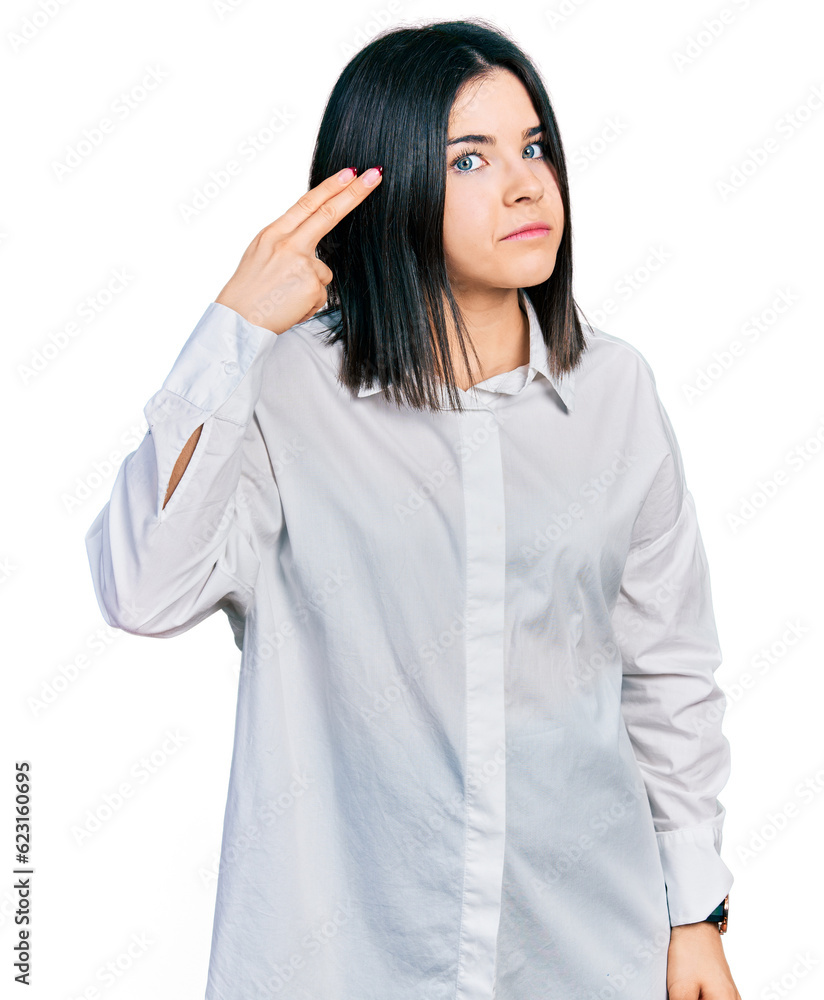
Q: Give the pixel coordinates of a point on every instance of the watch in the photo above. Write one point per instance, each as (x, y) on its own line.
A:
(719, 915)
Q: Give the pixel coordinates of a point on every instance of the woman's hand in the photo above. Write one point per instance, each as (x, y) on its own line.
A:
(279, 281)
(696, 965)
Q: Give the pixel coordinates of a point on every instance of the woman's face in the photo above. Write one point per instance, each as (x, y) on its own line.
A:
(504, 186)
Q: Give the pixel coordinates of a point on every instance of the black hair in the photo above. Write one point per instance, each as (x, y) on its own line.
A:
(391, 106)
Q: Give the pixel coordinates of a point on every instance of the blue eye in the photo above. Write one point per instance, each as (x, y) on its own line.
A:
(465, 154)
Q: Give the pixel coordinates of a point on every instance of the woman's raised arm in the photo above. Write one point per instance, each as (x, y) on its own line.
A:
(175, 542)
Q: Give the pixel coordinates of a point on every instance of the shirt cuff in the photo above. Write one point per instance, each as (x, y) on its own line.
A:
(697, 879)
(214, 361)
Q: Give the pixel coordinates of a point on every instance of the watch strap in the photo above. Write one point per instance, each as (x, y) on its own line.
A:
(719, 915)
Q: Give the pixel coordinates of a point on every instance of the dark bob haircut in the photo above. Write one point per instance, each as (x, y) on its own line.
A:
(391, 105)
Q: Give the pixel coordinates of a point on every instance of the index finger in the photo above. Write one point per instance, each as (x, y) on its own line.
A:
(318, 211)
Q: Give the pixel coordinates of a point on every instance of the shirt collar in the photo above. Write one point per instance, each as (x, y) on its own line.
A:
(538, 363)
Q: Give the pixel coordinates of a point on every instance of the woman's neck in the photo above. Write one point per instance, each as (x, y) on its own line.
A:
(500, 336)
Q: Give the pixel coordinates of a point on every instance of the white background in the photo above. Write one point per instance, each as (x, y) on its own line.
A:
(702, 147)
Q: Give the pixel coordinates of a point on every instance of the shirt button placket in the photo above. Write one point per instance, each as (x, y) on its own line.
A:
(485, 776)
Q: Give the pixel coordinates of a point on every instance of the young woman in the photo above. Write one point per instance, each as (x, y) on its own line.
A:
(478, 746)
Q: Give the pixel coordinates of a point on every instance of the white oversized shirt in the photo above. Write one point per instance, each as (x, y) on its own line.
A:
(478, 740)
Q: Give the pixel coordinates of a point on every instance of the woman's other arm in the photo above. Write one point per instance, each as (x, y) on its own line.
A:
(673, 709)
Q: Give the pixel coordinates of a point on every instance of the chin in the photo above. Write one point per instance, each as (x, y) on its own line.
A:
(527, 277)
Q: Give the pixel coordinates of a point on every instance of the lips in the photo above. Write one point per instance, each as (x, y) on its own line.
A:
(529, 227)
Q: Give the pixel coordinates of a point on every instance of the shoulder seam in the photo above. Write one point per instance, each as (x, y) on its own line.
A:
(629, 347)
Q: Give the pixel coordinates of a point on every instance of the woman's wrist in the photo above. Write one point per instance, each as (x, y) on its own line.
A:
(705, 927)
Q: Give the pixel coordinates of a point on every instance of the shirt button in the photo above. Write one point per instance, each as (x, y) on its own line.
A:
(230, 367)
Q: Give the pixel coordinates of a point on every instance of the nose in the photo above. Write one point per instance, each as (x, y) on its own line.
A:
(523, 180)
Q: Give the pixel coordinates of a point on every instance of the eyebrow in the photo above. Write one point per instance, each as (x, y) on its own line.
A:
(489, 140)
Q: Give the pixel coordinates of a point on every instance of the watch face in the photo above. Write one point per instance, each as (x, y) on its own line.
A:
(725, 909)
